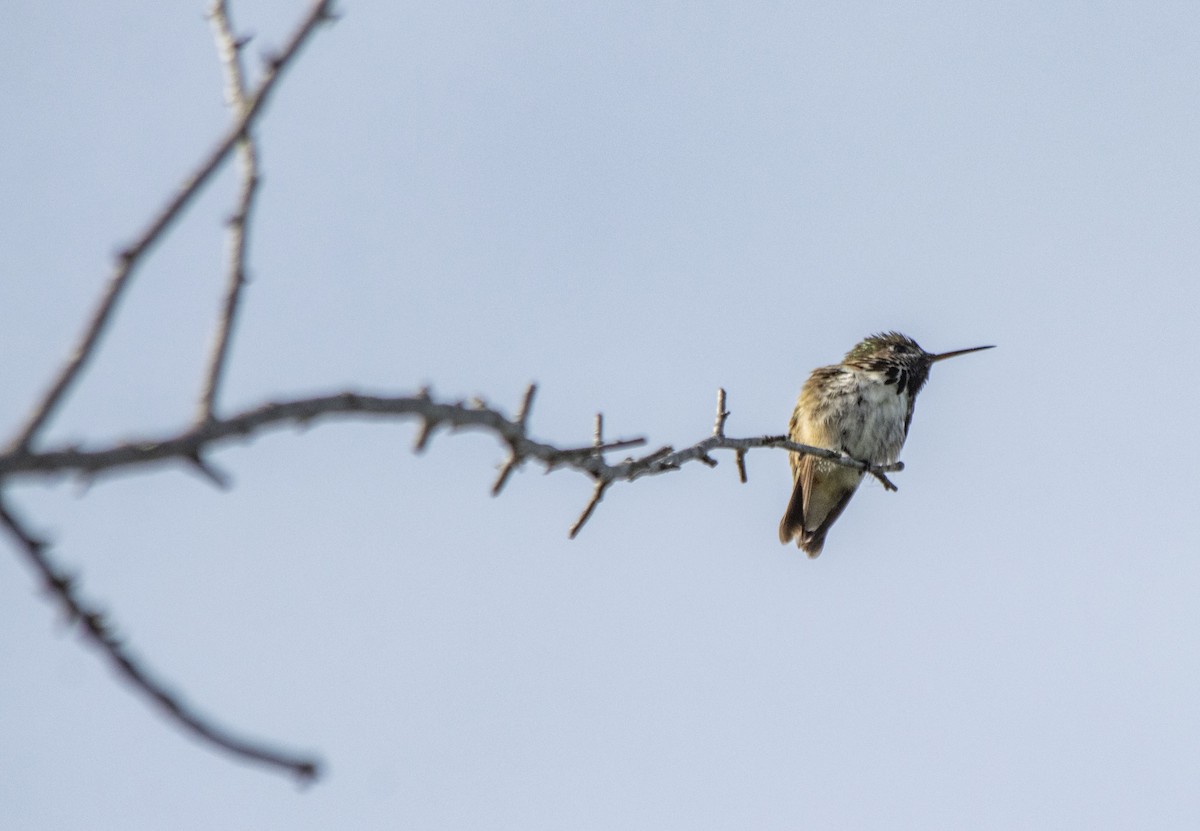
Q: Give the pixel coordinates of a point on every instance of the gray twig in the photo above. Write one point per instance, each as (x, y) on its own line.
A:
(229, 47)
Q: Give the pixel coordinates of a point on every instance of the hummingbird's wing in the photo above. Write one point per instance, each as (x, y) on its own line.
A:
(819, 495)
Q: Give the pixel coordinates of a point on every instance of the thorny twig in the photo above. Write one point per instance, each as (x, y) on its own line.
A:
(199, 439)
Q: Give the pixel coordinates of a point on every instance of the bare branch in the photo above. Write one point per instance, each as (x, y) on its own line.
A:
(229, 47)
(202, 438)
(97, 629)
(131, 257)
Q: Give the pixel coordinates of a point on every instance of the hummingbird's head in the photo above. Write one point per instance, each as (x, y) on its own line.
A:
(886, 347)
(900, 357)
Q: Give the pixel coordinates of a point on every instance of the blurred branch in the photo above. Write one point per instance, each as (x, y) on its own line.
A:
(229, 48)
(95, 627)
(247, 107)
(131, 256)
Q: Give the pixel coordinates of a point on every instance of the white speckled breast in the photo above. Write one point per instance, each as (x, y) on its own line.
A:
(865, 416)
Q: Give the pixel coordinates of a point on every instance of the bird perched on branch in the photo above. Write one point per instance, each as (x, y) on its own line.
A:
(862, 407)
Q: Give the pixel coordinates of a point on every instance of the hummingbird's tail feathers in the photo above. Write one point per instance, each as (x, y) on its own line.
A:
(811, 543)
(792, 525)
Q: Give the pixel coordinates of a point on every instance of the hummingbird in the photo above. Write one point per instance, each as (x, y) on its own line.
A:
(863, 407)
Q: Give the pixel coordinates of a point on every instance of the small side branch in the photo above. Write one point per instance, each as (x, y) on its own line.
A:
(229, 48)
(97, 629)
(597, 495)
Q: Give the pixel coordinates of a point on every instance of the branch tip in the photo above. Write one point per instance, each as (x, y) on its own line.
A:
(526, 404)
(722, 414)
(505, 472)
(423, 437)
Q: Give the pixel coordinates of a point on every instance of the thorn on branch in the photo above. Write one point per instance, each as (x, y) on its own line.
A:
(706, 459)
(593, 449)
(505, 472)
(98, 626)
(526, 403)
(656, 457)
(427, 428)
(597, 495)
(741, 465)
(213, 474)
(59, 582)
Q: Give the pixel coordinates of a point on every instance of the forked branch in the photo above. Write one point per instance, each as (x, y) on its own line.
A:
(129, 258)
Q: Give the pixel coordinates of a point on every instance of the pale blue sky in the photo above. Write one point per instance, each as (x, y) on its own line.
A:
(632, 204)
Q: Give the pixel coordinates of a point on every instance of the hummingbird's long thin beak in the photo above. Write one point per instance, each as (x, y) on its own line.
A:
(935, 358)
